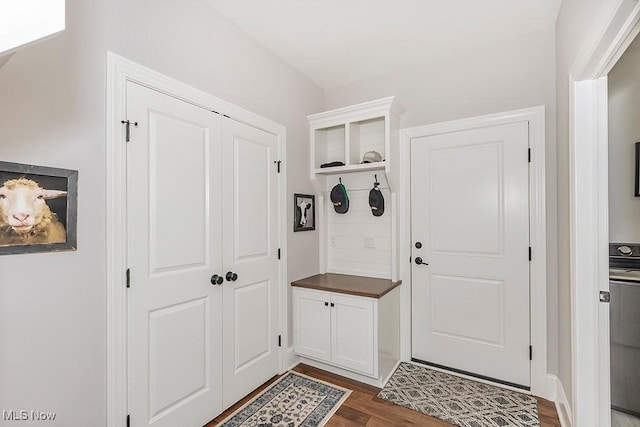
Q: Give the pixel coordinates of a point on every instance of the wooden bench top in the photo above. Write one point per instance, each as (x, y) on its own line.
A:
(370, 287)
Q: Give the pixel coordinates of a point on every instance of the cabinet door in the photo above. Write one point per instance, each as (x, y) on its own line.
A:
(311, 324)
(353, 334)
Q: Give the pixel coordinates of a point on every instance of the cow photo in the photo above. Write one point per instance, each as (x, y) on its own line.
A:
(37, 208)
(304, 218)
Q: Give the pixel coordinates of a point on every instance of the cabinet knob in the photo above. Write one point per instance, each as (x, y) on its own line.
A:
(326, 304)
(231, 276)
(216, 280)
(332, 305)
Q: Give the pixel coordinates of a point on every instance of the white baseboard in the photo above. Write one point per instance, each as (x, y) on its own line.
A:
(562, 404)
(386, 379)
(551, 388)
(291, 359)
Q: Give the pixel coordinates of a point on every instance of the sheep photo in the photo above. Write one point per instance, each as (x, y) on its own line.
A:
(34, 209)
(304, 212)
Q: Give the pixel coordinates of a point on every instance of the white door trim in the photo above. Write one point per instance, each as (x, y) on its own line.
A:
(541, 384)
(589, 226)
(119, 72)
(589, 263)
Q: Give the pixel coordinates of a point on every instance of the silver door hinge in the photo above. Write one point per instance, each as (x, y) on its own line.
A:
(530, 352)
(529, 253)
(605, 296)
(529, 150)
(128, 275)
(279, 253)
(278, 162)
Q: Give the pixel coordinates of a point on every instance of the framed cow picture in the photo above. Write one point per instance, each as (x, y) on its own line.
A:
(304, 212)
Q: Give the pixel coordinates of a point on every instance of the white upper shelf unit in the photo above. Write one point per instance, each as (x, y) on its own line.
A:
(23, 22)
(344, 135)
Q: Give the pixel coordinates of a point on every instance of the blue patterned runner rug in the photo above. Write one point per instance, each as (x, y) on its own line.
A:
(457, 400)
(294, 400)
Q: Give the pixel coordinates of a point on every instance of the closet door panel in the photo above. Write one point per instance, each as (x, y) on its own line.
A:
(173, 249)
(250, 243)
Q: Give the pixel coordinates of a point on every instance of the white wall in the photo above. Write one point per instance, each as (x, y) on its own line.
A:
(52, 112)
(579, 23)
(624, 132)
(505, 76)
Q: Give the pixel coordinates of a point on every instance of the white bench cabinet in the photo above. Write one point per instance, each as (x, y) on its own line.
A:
(347, 324)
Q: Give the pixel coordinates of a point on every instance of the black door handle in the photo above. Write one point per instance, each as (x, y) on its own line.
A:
(231, 276)
(420, 262)
(216, 280)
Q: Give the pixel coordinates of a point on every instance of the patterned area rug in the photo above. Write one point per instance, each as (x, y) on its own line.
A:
(293, 400)
(457, 400)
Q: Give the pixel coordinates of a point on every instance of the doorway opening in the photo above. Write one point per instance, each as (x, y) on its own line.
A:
(624, 237)
(589, 218)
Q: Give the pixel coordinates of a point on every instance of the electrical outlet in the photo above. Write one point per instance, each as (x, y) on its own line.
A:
(369, 243)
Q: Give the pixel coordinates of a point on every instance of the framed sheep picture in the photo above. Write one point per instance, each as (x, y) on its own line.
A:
(304, 212)
(38, 209)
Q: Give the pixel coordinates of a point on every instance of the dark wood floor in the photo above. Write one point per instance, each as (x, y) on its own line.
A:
(363, 408)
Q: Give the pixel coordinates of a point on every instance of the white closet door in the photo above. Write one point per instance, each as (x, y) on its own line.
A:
(250, 243)
(174, 217)
(470, 213)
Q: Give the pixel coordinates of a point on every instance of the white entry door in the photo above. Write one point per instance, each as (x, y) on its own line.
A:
(174, 248)
(470, 228)
(250, 257)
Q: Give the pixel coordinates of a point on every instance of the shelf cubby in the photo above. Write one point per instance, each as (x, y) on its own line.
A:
(330, 145)
(366, 135)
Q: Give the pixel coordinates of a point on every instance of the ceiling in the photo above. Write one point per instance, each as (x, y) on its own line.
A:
(336, 42)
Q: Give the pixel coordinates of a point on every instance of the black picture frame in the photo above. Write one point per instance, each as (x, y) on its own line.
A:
(637, 175)
(309, 215)
(61, 187)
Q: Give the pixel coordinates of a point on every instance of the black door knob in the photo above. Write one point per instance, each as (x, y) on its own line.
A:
(232, 277)
(418, 245)
(216, 280)
(419, 261)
